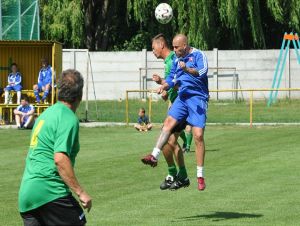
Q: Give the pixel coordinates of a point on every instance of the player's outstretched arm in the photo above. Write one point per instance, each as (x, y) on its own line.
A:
(156, 78)
(162, 88)
(67, 173)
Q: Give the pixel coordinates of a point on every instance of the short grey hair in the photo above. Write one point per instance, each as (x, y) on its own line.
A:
(70, 86)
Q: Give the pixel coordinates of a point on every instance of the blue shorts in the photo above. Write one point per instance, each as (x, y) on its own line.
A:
(41, 86)
(15, 88)
(192, 109)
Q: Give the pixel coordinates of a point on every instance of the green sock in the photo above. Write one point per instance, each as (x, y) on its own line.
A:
(183, 137)
(172, 170)
(182, 172)
(189, 138)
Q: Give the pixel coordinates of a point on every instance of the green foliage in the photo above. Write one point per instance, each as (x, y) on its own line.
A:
(295, 15)
(276, 8)
(130, 24)
(62, 21)
(286, 13)
(256, 25)
(136, 43)
(141, 10)
(229, 11)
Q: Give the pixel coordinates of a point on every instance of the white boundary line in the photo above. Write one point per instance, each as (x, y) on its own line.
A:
(112, 124)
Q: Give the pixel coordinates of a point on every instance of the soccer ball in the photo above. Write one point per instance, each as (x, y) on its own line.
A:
(163, 13)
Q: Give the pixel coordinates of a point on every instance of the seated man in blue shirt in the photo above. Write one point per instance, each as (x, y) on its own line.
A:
(14, 84)
(143, 121)
(24, 114)
(44, 81)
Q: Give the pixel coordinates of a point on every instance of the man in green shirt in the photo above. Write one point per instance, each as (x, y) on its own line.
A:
(175, 179)
(45, 193)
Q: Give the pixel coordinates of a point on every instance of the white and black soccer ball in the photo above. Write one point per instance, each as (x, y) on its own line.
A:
(163, 13)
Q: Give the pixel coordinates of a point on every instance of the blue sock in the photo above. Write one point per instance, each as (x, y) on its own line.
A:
(37, 96)
(46, 92)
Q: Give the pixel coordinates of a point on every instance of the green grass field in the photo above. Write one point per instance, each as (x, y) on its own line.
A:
(252, 178)
(225, 111)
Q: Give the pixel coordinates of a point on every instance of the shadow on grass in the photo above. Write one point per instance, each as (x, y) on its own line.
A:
(219, 216)
(210, 150)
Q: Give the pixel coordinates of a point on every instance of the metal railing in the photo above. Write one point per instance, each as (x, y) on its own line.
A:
(251, 91)
(143, 77)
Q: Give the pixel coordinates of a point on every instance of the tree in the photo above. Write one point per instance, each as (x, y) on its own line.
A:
(130, 25)
(62, 20)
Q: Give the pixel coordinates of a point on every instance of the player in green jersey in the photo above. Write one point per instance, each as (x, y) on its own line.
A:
(172, 148)
(45, 196)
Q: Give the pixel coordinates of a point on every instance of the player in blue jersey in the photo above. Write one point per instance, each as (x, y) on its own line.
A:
(24, 114)
(171, 150)
(14, 84)
(189, 73)
(44, 81)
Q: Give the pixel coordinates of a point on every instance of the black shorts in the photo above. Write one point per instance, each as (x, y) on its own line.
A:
(62, 211)
(179, 127)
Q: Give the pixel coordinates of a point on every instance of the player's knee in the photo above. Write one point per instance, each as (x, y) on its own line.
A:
(198, 136)
(169, 124)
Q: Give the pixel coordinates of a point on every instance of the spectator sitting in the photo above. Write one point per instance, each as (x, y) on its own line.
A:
(24, 114)
(14, 83)
(44, 81)
(143, 121)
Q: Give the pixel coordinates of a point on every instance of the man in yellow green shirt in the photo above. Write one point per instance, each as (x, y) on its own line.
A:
(45, 196)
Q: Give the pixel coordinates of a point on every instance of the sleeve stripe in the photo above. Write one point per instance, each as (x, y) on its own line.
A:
(204, 69)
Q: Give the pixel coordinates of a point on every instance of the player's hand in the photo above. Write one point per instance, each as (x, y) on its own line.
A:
(160, 90)
(86, 201)
(164, 95)
(182, 65)
(156, 78)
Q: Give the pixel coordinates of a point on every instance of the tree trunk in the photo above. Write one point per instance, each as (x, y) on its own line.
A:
(98, 17)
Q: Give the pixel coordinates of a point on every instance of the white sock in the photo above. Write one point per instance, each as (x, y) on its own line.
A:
(200, 171)
(155, 152)
(18, 97)
(6, 97)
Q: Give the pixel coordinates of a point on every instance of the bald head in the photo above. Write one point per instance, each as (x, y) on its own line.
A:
(180, 45)
(181, 38)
